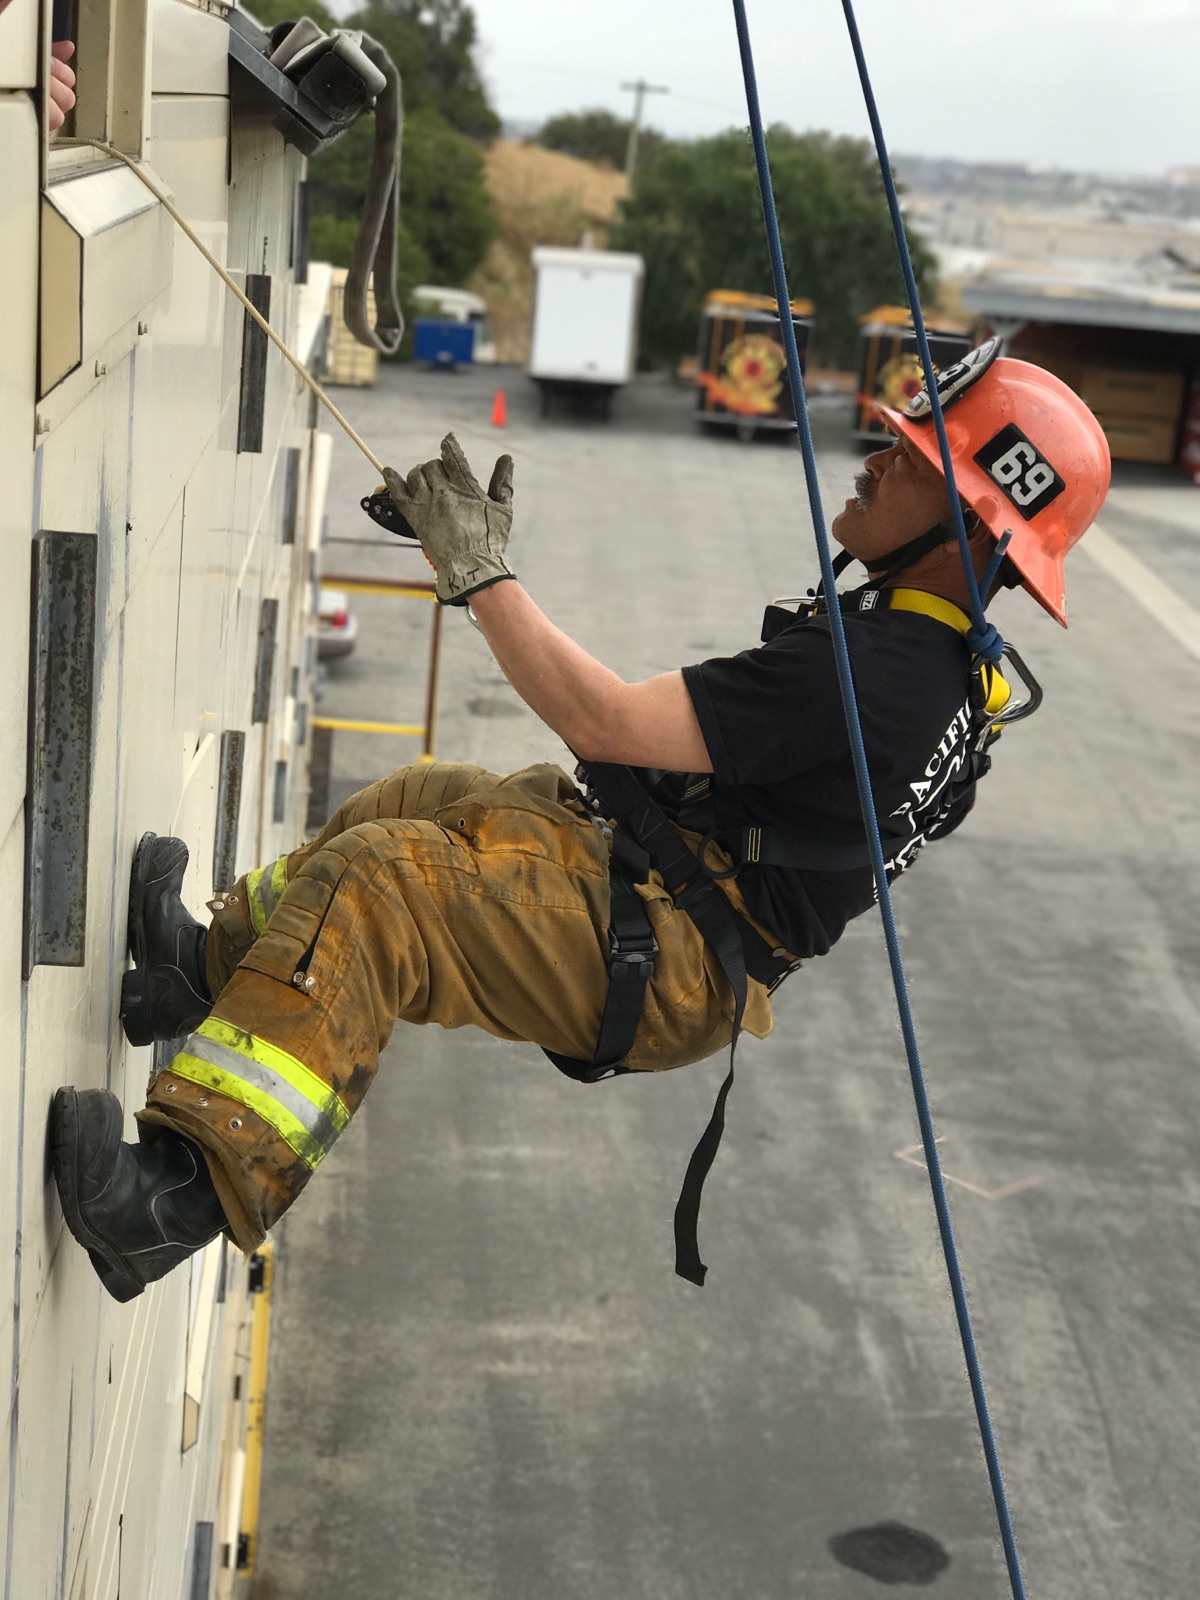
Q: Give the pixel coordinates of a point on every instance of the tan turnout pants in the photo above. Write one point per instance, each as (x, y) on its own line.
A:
(441, 894)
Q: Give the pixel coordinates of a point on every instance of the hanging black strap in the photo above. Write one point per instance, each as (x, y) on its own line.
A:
(717, 921)
(620, 795)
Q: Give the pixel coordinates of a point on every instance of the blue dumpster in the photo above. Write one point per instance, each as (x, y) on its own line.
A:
(443, 344)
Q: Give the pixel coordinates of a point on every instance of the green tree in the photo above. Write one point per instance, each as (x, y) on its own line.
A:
(446, 217)
(695, 217)
(597, 135)
(445, 197)
(433, 43)
(269, 12)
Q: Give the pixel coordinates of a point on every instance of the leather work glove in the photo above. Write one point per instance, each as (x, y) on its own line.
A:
(463, 531)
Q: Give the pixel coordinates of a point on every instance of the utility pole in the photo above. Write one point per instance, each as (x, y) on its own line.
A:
(640, 90)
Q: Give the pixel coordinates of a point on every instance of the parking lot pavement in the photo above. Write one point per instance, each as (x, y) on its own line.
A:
(486, 1382)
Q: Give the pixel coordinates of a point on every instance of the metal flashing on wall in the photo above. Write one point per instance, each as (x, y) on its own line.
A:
(291, 493)
(253, 396)
(268, 623)
(106, 254)
(58, 794)
(319, 772)
(301, 236)
(229, 802)
(202, 1561)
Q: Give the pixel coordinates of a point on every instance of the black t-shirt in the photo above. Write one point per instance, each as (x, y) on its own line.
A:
(775, 731)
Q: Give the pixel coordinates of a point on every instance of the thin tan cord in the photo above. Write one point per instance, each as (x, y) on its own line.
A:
(111, 150)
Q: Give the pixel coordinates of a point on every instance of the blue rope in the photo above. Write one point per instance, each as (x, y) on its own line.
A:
(863, 781)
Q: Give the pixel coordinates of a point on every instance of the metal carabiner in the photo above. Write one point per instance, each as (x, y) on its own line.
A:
(1017, 710)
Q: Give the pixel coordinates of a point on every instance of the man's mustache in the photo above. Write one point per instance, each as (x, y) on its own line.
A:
(864, 490)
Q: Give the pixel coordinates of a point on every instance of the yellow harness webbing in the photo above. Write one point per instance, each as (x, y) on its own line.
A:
(997, 691)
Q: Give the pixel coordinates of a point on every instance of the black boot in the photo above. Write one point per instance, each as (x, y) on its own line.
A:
(168, 994)
(137, 1209)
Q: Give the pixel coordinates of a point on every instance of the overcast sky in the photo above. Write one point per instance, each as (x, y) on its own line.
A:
(1097, 85)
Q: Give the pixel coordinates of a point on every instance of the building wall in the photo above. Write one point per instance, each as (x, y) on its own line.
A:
(121, 1431)
(1013, 234)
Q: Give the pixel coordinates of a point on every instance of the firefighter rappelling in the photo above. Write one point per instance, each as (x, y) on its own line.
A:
(449, 895)
(734, 806)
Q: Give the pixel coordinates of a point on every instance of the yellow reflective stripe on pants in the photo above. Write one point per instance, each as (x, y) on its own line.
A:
(302, 1109)
(263, 888)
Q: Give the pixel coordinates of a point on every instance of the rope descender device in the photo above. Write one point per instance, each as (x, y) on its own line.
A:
(381, 508)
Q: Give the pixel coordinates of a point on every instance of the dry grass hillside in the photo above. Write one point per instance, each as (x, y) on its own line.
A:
(541, 197)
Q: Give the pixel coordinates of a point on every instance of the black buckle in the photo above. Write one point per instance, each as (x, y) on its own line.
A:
(633, 959)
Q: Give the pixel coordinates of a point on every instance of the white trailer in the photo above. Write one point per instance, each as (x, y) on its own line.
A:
(585, 315)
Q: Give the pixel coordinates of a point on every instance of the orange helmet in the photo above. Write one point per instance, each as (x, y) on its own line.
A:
(1029, 458)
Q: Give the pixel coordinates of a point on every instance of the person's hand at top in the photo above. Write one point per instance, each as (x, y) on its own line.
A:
(62, 84)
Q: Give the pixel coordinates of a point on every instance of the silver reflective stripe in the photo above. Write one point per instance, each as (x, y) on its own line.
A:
(271, 885)
(267, 1082)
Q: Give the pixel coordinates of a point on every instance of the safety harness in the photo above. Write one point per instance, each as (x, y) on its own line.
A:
(644, 833)
(645, 838)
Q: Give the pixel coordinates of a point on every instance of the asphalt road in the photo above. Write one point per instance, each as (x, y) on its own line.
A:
(486, 1382)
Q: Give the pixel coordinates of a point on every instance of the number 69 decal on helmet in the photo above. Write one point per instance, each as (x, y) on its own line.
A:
(1017, 467)
(1043, 495)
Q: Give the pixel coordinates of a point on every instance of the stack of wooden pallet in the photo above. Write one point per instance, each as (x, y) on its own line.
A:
(350, 363)
(1140, 412)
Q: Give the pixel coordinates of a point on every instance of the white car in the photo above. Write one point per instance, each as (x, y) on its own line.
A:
(337, 626)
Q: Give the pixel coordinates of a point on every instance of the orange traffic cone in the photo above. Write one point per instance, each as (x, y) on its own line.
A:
(499, 410)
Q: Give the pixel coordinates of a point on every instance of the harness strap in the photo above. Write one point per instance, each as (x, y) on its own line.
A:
(621, 795)
(632, 952)
(929, 605)
(772, 846)
(717, 922)
(753, 846)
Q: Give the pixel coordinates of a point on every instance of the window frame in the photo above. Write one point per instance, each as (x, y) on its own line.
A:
(112, 63)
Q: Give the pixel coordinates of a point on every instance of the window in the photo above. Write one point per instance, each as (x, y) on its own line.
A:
(111, 64)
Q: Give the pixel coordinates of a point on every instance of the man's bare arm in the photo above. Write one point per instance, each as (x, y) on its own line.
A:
(602, 718)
